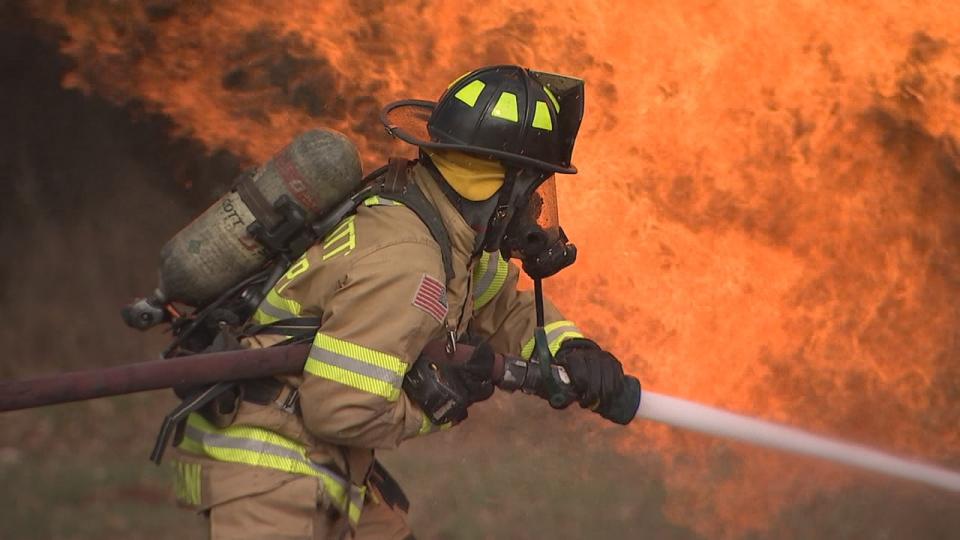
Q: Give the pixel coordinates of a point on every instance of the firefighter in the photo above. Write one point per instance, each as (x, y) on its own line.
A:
(294, 458)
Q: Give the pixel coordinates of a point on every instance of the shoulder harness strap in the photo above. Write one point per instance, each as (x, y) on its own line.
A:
(396, 185)
(296, 329)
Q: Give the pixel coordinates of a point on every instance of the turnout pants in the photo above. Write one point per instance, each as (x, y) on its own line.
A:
(244, 502)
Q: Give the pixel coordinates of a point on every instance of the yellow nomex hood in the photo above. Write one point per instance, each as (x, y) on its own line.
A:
(474, 178)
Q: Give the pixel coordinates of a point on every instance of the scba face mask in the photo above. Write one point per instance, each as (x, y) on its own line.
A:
(534, 235)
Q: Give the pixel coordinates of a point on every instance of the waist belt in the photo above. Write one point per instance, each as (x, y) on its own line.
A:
(268, 390)
(259, 447)
(264, 391)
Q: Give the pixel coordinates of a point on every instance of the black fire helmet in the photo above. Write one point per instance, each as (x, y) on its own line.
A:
(526, 119)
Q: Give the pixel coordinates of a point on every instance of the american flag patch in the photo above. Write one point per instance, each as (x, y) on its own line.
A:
(431, 297)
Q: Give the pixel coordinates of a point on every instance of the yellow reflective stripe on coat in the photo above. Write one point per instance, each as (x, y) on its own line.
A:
(557, 333)
(295, 270)
(258, 447)
(355, 366)
(380, 201)
(427, 427)
(275, 307)
(187, 483)
(488, 277)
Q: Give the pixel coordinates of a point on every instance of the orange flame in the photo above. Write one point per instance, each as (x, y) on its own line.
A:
(767, 209)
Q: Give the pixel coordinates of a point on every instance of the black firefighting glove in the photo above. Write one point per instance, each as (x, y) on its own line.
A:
(597, 376)
(477, 373)
(444, 390)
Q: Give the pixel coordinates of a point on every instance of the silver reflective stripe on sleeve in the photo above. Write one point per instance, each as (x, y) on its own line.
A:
(275, 307)
(356, 366)
(489, 276)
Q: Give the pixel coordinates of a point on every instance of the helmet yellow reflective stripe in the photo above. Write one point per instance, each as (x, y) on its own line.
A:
(469, 93)
(489, 276)
(506, 107)
(355, 366)
(491, 112)
(541, 117)
(553, 98)
(557, 333)
(259, 447)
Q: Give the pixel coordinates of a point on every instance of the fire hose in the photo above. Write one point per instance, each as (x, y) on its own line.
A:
(255, 363)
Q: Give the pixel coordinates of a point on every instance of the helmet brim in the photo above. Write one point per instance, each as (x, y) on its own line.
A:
(407, 120)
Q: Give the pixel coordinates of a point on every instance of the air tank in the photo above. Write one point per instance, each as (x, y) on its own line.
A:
(319, 169)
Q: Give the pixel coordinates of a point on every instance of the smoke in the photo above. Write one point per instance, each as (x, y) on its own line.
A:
(767, 208)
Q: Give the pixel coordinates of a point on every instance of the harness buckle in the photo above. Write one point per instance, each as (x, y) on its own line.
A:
(289, 404)
(451, 342)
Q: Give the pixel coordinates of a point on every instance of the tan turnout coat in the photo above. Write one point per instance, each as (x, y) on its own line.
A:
(373, 282)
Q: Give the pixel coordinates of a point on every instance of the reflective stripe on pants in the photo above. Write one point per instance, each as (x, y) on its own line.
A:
(259, 447)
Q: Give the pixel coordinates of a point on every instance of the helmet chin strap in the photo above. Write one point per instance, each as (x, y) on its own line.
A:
(502, 212)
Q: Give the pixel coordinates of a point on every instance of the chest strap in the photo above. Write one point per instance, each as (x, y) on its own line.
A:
(396, 185)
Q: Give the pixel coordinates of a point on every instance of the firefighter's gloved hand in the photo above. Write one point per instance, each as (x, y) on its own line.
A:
(477, 373)
(596, 375)
(444, 390)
